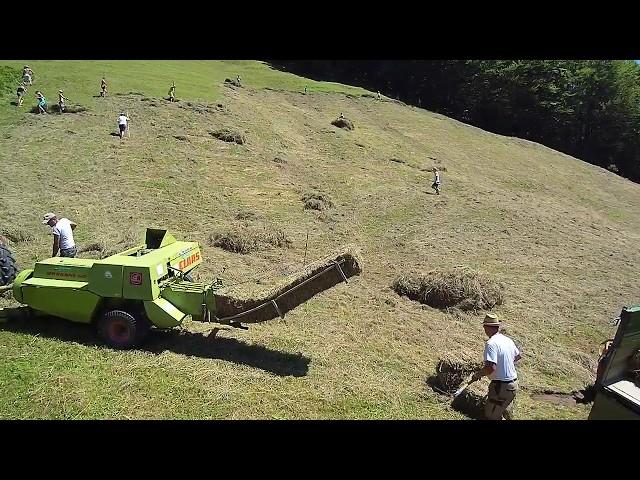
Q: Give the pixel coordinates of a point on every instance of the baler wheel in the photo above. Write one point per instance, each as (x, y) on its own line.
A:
(121, 330)
(8, 267)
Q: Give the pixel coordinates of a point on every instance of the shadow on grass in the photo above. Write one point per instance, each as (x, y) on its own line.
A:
(178, 341)
(114, 134)
(467, 403)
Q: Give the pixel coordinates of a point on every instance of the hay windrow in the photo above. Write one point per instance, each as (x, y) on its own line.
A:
(16, 235)
(461, 288)
(249, 239)
(233, 300)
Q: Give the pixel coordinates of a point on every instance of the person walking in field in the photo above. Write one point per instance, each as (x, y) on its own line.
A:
(123, 123)
(103, 87)
(61, 100)
(42, 102)
(172, 93)
(500, 357)
(22, 89)
(436, 181)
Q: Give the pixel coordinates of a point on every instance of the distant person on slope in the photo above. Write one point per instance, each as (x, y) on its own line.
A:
(172, 93)
(42, 102)
(103, 87)
(27, 75)
(62, 231)
(122, 124)
(20, 92)
(61, 99)
(436, 181)
(500, 357)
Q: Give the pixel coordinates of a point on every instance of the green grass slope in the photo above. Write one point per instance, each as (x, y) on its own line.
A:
(561, 234)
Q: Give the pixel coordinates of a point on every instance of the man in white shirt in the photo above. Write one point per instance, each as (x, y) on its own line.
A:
(436, 181)
(500, 357)
(122, 123)
(62, 231)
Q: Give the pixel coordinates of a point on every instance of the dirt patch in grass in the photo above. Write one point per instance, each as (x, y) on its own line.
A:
(317, 201)
(461, 288)
(228, 135)
(249, 239)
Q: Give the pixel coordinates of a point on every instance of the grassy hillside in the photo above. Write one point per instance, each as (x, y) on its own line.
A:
(561, 235)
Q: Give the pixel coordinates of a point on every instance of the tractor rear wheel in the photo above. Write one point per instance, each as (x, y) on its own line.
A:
(122, 330)
(8, 267)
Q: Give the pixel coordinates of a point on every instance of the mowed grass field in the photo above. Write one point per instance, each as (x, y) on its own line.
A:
(562, 236)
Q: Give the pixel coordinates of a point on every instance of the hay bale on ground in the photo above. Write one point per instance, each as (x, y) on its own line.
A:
(343, 123)
(317, 201)
(227, 135)
(235, 300)
(249, 239)
(445, 288)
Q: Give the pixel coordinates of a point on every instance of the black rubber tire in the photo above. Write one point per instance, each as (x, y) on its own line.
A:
(122, 330)
(8, 266)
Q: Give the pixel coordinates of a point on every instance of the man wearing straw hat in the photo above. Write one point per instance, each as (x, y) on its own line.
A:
(500, 357)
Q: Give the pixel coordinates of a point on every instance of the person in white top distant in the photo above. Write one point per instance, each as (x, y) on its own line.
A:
(500, 357)
(436, 181)
(62, 231)
(122, 124)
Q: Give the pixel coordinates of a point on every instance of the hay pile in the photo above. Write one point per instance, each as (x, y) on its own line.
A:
(317, 201)
(249, 239)
(235, 300)
(343, 123)
(16, 235)
(451, 371)
(227, 135)
(228, 82)
(461, 288)
(95, 250)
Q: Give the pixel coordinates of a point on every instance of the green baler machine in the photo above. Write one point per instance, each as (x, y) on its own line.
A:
(127, 294)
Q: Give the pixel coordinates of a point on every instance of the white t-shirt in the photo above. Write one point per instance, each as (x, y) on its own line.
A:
(437, 177)
(122, 120)
(501, 350)
(63, 229)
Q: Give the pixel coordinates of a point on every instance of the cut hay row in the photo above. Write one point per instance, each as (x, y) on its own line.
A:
(313, 279)
(249, 239)
(447, 288)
